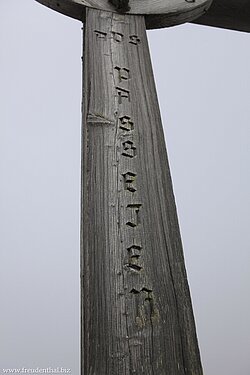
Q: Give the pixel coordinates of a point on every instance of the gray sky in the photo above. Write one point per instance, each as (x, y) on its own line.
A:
(203, 80)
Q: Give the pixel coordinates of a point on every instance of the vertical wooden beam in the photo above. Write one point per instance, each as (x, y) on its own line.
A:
(136, 310)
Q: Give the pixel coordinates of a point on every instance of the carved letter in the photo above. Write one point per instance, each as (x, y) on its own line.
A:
(134, 291)
(122, 93)
(145, 290)
(135, 219)
(129, 149)
(100, 35)
(118, 37)
(134, 39)
(126, 123)
(134, 251)
(134, 255)
(129, 179)
(123, 73)
(148, 308)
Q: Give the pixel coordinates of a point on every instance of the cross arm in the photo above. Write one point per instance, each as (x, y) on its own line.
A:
(227, 14)
(158, 13)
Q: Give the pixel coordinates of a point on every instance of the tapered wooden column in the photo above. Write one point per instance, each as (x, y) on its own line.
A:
(136, 310)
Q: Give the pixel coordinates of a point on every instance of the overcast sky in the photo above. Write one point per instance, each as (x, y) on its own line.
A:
(203, 81)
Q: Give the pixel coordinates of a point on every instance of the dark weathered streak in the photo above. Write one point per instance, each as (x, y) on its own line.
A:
(122, 6)
(136, 309)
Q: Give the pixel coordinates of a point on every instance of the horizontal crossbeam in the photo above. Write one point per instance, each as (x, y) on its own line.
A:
(158, 13)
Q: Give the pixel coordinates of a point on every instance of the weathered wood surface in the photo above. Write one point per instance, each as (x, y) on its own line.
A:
(136, 310)
(159, 13)
(228, 14)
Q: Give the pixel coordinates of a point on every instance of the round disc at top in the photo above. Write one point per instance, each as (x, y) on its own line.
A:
(158, 13)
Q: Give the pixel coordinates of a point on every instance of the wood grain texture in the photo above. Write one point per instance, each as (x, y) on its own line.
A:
(228, 14)
(160, 13)
(136, 310)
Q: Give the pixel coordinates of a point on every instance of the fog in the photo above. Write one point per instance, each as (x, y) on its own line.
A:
(203, 78)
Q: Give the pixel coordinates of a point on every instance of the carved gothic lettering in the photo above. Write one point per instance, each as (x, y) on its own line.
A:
(117, 37)
(134, 250)
(134, 258)
(134, 220)
(147, 310)
(122, 94)
(126, 123)
(129, 149)
(143, 290)
(100, 35)
(129, 180)
(134, 265)
(123, 73)
(134, 39)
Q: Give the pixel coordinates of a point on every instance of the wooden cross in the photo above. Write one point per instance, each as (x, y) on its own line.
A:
(136, 309)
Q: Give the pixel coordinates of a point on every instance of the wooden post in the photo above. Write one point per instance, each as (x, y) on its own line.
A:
(136, 310)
